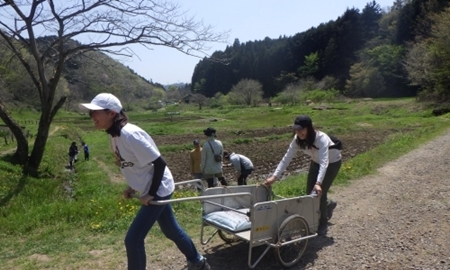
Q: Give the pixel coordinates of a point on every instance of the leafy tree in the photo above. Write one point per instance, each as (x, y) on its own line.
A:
(172, 88)
(174, 95)
(426, 12)
(428, 61)
(199, 86)
(327, 82)
(419, 65)
(290, 96)
(387, 31)
(311, 65)
(440, 50)
(107, 25)
(248, 92)
(285, 79)
(158, 94)
(370, 16)
(364, 82)
(414, 19)
(379, 73)
(294, 93)
(308, 84)
(217, 101)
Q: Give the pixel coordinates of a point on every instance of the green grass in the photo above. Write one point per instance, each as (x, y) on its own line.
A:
(80, 219)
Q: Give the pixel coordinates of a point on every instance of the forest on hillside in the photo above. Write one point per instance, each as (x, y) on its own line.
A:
(398, 52)
(84, 76)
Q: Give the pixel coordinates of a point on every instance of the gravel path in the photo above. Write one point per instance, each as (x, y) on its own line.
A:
(397, 219)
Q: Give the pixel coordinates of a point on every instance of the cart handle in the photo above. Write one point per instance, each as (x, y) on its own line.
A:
(197, 181)
(199, 198)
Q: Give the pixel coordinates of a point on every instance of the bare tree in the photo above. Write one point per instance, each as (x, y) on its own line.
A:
(106, 25)
(200, 100)
(246, 91)
(290, 95)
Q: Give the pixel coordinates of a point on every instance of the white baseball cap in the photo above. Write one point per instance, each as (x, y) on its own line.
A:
(103, 101)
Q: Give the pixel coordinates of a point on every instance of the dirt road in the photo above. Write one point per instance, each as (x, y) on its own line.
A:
(397, 219)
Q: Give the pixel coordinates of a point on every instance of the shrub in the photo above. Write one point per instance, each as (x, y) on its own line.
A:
(321, 95)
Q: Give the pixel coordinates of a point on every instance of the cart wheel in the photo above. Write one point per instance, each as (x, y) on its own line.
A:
(292, 228)
(228, 237)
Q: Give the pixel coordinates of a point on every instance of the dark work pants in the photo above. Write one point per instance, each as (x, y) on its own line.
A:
(242, 179)
(330, 175)
(222, 180)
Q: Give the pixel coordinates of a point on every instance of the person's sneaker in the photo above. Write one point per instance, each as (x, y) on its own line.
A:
(200, 265)
(330, 208)
(322, 230)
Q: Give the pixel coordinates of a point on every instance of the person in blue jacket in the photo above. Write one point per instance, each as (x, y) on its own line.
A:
(86, 151)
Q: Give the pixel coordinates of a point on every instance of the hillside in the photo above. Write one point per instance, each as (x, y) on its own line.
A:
(84, 76)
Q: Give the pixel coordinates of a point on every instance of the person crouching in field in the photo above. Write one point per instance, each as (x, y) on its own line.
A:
(242, 164)
(145, 172)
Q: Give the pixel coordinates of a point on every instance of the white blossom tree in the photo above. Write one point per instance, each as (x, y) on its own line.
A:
(246, 91)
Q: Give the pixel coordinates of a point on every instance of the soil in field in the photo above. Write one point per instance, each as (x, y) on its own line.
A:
(264, 152)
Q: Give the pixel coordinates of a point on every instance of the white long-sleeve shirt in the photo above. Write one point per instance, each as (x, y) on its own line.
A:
(322, 156)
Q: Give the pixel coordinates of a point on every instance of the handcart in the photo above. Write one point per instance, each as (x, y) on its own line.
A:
(248, 213)
(254, 214)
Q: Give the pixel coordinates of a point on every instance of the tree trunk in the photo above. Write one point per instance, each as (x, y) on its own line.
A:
(41, 138)
(39, 145)
(21, 154)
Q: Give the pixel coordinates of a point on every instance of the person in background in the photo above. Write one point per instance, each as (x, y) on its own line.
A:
(86, 151)
(242, 164)
(73, 152)
(146, 174)
(195, 158)
(212, 153)
(324, 167)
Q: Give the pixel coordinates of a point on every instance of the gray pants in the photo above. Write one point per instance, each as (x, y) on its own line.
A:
(332, 171)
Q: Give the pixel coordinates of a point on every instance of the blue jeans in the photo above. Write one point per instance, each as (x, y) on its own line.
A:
(141, 225)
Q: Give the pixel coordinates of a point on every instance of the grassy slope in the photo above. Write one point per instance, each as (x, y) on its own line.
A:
(79, 219)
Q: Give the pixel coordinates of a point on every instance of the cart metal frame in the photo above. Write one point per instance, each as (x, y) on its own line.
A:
(284, 224)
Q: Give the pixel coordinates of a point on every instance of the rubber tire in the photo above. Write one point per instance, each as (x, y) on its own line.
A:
(292, 227)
